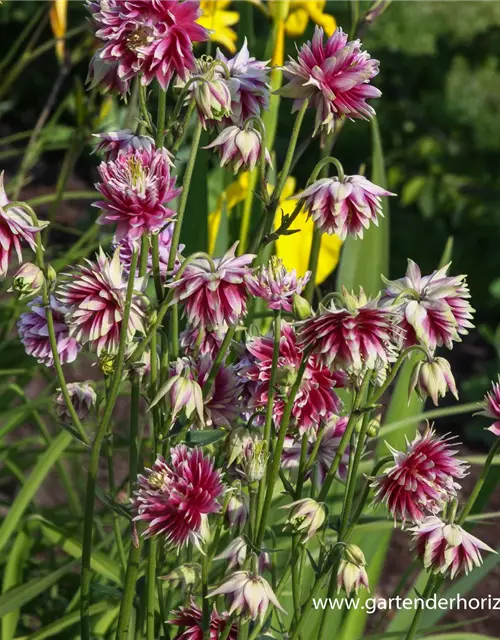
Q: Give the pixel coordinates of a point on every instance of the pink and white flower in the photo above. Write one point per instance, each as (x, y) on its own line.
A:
(94, 294)
(34, 334)
(190, 619)
(27, 281)
(316, 400)
(214, 292)
(306, 517)
(352, 573)
(275, 284)
(112, 142)
(152, 39)
(182, 392)
(447, 548)
(335, 78)
(433, 377)
(422, 480)
(436, 309)
(136, 187)
(222, 403)
(491, 407)
(104, 76)
(206, 344)
(83, 398)
(344, 206)
(16, 228)
(175, 498)
(239, 147)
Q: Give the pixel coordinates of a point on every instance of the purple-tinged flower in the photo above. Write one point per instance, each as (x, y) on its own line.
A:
(200, 341)
(190, 619)
(175, 498)
(275, 284)
(306, 516)
(34, 333)
(491, 407)
(356, 336)
(27, 281)
(447, 549)
(344, 207)
(332, 435)
(181, 391)
(83, 398)
(352, 574)
(237, 510)
(104, 76)
(335, 78)
(152, 39)
(248, 84)
(422, 479)
(16, 227)
(137, 187)
(250, 595)
(236, 552)
(95, 295)
(239, 147)
(433, 377)
(316, 399)
(112, 142)
(221, 403)
(213, 292)
(435, 308)
(210, 92)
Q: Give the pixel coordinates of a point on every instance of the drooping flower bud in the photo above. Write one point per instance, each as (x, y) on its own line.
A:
(27, 281)
(237, 510)
(433, 377)
(306, 516)
(213, 99)
(239, 147)
(352, 573)
(253, 464)
(83, 398)
(301, 308)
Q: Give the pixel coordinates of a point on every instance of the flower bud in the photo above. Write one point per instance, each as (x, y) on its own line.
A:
(353, 554)
(187, 575)
(433, 377)
(352, 573)
(83, 398)
(107, 363)
(286, 376)
(301, 308)
(253, 463)
(213, 99)
(238, 439)
(239, 147)
(306, 516)
(237, 510)
(51, 274)
(27, 281)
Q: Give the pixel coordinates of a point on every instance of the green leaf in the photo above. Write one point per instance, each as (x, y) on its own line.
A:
(459, 636)
(412, 190)
(194, 232)
(206, 436)
(51, 630)
(363, 261)
(31, 486)
(12, 576)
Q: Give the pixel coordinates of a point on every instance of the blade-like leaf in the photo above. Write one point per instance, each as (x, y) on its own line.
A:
(12, 576)
(51, 630)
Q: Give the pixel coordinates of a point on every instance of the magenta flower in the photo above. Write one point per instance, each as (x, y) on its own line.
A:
(175, 498)
(112, 142)
(422, 480)
(332, 435)
(83, 398)
(34, 333)
(221, 404)
(239, 147)
(316, 399)
(358, 336)
(491, 407)
(213, 292)
(248, 84)
(136, 187)
(275, 284)
(344, 206)
(16, 227)
(152, 39)
(104, 75)
(191, 620)
(335, 77)
(436, 309)
(94, 294)
(208, 344)
(447, 548)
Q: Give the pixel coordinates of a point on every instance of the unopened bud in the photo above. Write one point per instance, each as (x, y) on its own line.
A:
(51, 274)
(286, 376)
(238, 439)
(27, 281)
(187, 575)
(353, 553)
(301, 308)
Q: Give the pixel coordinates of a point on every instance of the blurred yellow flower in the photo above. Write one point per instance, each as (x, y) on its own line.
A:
(301, 11)
(58, 22)
(219, 21)
(294, 250)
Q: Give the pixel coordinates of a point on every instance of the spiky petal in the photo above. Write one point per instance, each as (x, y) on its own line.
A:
(112, 142)
(191, 620)
(275, 284)
(491, 407)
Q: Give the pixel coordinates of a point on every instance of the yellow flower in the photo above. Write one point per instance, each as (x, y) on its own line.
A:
(301, 11)
(294, 250)
(58, 22)
(219, 22)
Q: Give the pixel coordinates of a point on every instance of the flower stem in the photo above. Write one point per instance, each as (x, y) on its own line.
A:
(151, 594)
(418, 613)
(205, 602)
(160, 120)
(313, 264)
(134, 556)
(380, 392)
(479, 483)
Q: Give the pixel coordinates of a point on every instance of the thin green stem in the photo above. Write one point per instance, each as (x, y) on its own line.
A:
(221, 354)
(160, 120)
(479, 483)
(127, 602)
(313, 263)
(151, 586)
(418, 613)
(205, 602)
(381, 390)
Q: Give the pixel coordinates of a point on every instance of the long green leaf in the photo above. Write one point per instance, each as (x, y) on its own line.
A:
(69, 620)
(31, 486)
(12, 577)
(460, 636)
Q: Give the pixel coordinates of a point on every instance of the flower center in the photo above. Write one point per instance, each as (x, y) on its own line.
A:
(139, 38)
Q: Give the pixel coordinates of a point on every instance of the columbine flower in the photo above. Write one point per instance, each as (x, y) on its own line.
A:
(447, 548)
(436, 308)
(352, 573)
(433, 377)
(356, 336)
(239, 147)
(147, 38)
(275, 284)
(237, 510)
(182, 391)
(112, 142)
(136, 187)
(248, 84)
(174, 498)
(218, 22)
(316, 399)
(306, 516)
(191, 620)
(335, 77)
(104, 75)
(491, 407)
(221, 403)
(214, 293)
(95, 295)
(33, 332)
(422, 480)
(16, 226)
(249, 594)
(332, 435)
(199, 341)
(27, 280)
(344, 206)
(236, 552)
(252, 462)
(83, 398)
